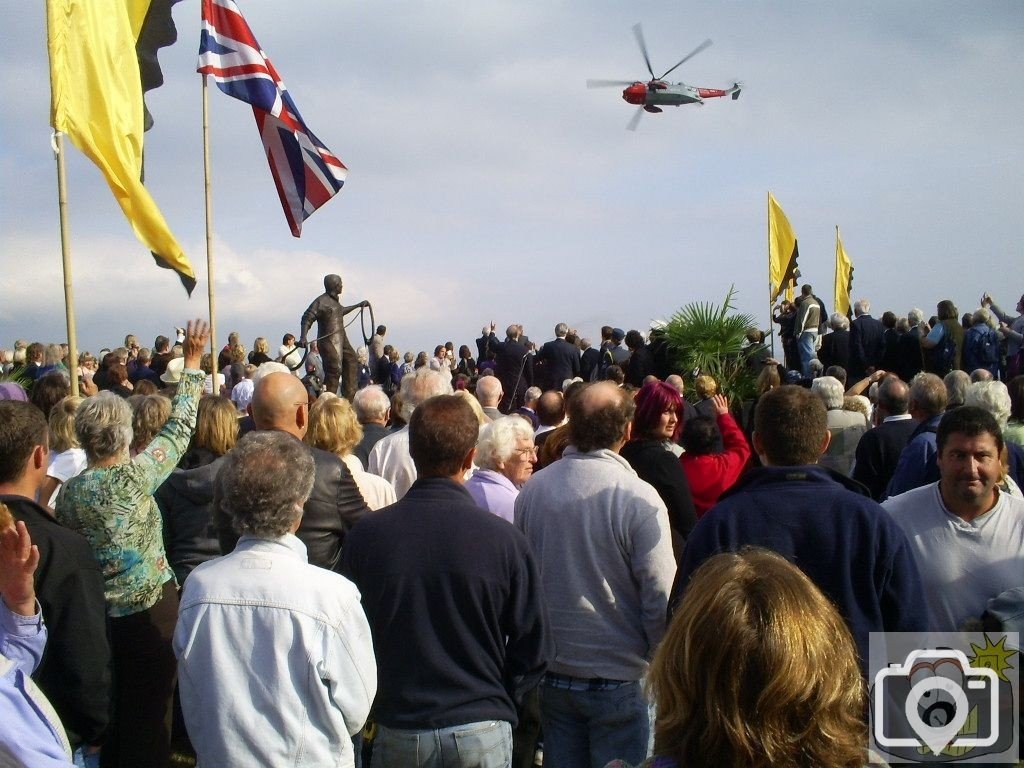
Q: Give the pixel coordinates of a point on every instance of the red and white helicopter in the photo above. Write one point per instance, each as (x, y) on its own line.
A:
(656, 93)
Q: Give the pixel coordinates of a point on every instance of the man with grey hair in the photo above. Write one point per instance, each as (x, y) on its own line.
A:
(956, 383)
(994, 397)
(489, 392)
(280, 404)
(845, 427)
(917, 465)
(561, 360)
(910, 359)
(835, 346)
(867, 343)
(390, 457)
(309, 670)
(373, 409)
(878, 451)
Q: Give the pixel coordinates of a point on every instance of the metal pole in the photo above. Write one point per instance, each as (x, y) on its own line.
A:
(65, 252)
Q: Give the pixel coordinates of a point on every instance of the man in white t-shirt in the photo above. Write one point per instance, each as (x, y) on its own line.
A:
(967, 535)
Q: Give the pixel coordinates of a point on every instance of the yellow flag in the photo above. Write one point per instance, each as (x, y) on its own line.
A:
(844, 278)
(96, 99)
(782, 251)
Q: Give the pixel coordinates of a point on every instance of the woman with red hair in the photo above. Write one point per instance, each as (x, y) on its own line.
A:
(656, 424)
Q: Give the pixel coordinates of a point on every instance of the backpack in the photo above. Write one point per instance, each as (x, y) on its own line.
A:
(944, 355)
(983, 346)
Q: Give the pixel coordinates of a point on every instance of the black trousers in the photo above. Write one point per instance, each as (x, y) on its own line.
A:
(144, 675)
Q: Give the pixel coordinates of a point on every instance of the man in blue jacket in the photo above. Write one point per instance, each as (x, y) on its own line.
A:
(821, 521)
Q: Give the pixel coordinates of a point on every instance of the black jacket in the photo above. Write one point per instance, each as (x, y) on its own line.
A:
(186, 505)
(661, 468)
(561, 362)
(514, 370)
(835, 350)
(878, 453)
(75, 669)
(334, 506)
(455, 604)
(866, 346)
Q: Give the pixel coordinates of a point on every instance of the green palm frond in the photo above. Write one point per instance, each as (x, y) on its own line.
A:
(709, 338)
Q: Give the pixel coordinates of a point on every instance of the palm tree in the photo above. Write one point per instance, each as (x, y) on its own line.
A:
(710, 339)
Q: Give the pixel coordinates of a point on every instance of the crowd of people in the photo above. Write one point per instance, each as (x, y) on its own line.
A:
(551, 551)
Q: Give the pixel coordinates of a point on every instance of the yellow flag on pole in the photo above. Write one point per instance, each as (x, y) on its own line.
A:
(844, 278)
(96, 99)
(782, 251)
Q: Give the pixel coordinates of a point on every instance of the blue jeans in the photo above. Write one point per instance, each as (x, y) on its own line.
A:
(83, 759)
(806, 344)
(486, 744)
(589, 729)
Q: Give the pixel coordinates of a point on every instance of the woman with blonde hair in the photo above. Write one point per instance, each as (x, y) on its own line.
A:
(757, 669)
(260, 352)
(333, 427)
(67, 458)
(149, 414)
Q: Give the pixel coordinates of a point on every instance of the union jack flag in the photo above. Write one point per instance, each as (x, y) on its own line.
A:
(305, 172)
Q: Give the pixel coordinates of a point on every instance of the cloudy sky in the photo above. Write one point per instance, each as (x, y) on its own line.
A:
(486, 182)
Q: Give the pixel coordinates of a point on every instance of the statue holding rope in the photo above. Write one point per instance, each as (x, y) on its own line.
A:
(338, 356)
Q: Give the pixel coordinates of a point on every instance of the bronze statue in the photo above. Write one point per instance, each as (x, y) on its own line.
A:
(338, 356)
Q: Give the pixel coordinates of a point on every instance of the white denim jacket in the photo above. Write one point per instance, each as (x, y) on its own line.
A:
(276, 663)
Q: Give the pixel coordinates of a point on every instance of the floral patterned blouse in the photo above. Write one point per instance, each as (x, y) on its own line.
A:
(113, 507)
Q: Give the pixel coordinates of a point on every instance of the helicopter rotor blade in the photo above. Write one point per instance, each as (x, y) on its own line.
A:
(639, 32)
(608, 83)
(687, 57)
(635, 120)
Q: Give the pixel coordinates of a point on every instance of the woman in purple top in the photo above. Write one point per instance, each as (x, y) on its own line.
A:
(505, 455)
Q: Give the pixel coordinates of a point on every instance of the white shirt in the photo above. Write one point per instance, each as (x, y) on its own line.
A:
(64, 466)
(963, 565)
(377, 492)
(275, 660)
(390, 459)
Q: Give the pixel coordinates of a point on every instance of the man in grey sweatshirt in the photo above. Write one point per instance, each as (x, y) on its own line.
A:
(601, 538)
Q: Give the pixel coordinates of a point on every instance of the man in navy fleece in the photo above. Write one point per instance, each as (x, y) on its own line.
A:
(824, 523)
(454, 601)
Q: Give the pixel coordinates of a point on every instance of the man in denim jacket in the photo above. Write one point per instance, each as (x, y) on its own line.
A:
(276, 664)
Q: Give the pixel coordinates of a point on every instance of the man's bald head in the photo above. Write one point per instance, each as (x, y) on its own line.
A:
(488, 391)
(279, 402)
(599, 417)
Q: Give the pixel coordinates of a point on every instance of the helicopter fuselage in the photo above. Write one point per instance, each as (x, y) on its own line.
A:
(660, 93)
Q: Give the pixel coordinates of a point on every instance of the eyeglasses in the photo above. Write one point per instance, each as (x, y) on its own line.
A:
(527, 453)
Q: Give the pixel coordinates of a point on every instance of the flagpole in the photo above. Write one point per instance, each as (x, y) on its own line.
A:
(65, 252)
(768, 240)
(209, 233)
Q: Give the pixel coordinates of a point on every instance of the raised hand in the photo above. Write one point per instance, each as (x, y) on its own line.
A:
(197, 335)
(18, 560)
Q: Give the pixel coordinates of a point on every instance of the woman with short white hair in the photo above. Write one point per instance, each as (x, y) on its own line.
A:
(505, 455)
